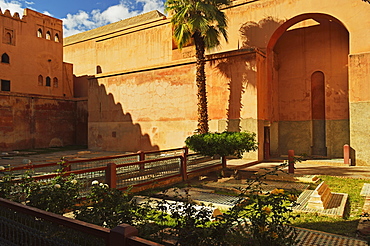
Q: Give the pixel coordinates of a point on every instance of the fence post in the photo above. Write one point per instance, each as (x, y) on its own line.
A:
(346, 151)
(186, 150)
(141, 158)
(141, 155)
(223, 161)
(291, 161)
(183, 166)
(119, 234)
(111, 175)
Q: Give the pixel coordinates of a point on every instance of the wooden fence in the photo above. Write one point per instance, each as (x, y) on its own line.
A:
(24, 225)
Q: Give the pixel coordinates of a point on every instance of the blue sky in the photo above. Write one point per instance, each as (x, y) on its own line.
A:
(83, 15)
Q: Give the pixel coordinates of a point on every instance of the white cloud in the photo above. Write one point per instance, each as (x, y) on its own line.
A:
(13, 7)
(150, 5)
(83, 21)
(47, 13)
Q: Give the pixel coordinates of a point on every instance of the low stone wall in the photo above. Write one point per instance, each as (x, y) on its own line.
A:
(33, 121)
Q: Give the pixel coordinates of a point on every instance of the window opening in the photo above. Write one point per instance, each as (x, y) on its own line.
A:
(48, 81)
(56, 38)
(40, 80)
(8, 38)
(55, 82)
(39, 33)
(5, 58)
(5, 85)
(47, 36)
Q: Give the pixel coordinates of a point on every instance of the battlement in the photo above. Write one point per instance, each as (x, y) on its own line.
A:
(7, 13)
(30, 15)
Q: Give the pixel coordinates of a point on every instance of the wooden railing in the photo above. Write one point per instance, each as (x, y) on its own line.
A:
(146, 170)
(20, 222)
(24, 225)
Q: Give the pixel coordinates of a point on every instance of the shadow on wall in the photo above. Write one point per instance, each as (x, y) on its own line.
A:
(240, 72)
(257, 35)
(110, 128)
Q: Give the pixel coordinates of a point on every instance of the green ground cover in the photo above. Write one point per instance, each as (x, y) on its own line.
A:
(343, 226)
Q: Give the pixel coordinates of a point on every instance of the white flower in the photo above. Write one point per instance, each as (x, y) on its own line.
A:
(106, 185)
(2, 168)
(101, 184)
(74, 181)
(95, 182)
(57, 186)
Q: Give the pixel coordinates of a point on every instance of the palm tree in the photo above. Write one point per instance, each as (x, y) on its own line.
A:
(202, 22)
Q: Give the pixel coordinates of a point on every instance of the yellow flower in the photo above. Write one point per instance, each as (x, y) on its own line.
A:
(266, 210)
(277, 191)
(292, 197)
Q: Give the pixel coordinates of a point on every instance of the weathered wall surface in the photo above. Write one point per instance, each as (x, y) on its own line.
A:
(359, 74)
(30, 121)
(144, 95)
(35, 48)
(300, 53)
(157, 108)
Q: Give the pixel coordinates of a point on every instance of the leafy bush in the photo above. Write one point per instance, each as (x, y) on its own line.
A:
(223, 144)
(256, 219)
(12, 190)
(58, 195)
(106, 207)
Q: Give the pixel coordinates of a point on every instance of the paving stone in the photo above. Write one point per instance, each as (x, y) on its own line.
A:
(365, 191)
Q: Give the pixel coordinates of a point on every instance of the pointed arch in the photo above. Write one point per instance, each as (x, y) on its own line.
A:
(39, 33)
(5, 58)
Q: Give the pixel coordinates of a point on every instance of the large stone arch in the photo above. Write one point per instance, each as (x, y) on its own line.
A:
(307, 71)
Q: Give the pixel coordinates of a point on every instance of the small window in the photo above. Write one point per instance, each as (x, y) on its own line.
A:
(40, 80)
(39, 33)
(5, 85)
(98, 69)
(56, 38)
(8, 38)
(55, 82)
(48, 81)
(5, 58)
(48, 36)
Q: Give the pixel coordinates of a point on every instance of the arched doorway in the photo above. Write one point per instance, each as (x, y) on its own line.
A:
(308, 74)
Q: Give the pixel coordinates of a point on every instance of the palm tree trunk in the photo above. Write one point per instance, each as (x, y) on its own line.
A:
(201, 83)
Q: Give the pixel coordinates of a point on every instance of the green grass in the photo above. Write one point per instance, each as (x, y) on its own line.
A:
(343, 226)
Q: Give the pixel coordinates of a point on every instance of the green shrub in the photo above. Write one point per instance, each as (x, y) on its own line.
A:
(223, 144)
(108, 207)
(58, 195)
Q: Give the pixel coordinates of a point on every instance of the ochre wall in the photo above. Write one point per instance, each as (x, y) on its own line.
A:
(31, 56)
(29, 121)
(151, 84)
(300, 53)
(159, 106)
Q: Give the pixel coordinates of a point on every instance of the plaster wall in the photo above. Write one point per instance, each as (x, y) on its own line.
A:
(299, 54)
(359, 74)
(157, 108)
(31, 56)
(149, 82)
(30, 121)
